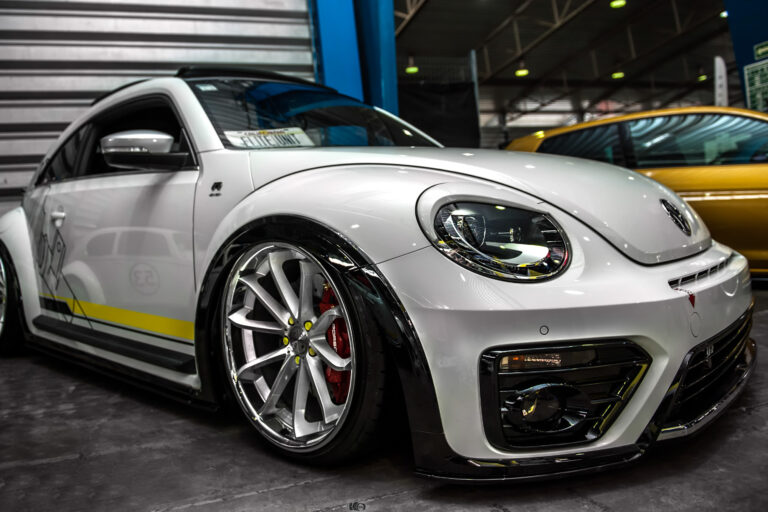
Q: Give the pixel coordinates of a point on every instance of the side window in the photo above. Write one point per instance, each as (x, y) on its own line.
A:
(148, 114)
(142, 243)
(101, 245)
(64, 162)
(698, 139)
(601, 143)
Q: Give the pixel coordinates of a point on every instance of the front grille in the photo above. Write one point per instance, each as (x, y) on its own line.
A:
(708, 372)
(604, 384)
(698, 276)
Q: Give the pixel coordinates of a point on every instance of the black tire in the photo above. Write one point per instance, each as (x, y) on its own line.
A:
(357, 429)
(11, 332)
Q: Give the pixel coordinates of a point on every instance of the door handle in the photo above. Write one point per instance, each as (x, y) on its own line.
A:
(57, 217)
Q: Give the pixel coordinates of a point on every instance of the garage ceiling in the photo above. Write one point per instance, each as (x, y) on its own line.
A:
(572, 48)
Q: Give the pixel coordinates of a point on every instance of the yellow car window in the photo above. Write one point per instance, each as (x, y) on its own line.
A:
(698, 139)
(601, 143)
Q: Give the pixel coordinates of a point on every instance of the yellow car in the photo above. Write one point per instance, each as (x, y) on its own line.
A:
(716, 158)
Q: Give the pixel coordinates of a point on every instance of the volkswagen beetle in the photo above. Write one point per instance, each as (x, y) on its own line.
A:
(230, 233)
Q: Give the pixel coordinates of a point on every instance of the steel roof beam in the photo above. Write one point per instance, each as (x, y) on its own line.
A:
(412, 9)
(656, 63)
(557, 83)
(593, 44)
(731, 67)
(504, 24)
(561, 20)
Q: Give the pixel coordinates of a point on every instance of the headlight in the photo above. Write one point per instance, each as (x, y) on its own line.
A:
(501, 241)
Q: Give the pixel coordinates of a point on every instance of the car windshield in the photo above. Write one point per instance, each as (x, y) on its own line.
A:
(253, 114)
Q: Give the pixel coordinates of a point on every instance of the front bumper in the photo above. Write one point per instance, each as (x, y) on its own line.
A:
(726, 383)
(459, 315)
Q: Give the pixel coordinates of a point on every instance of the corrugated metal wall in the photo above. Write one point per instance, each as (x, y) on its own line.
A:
(56, 56)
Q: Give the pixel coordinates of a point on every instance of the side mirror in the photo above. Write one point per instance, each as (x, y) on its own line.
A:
(142, 149)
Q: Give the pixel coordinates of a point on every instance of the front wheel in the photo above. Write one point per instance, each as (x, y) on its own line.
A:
(302, 364)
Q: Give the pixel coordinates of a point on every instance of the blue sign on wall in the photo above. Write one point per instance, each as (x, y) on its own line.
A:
(749, 33)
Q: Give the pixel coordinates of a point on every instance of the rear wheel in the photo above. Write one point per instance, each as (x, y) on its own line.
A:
(11, 335)
(303, 367)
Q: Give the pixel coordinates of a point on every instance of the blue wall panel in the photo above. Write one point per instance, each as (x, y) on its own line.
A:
(338, 58)
(376, 25)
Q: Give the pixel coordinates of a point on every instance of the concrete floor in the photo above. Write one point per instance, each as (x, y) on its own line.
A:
(74, 440)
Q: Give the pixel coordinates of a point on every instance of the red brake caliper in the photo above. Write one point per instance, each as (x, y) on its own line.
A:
(338, 338)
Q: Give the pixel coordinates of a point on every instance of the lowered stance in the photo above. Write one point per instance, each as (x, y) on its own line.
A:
(231, 233)
(716, 158)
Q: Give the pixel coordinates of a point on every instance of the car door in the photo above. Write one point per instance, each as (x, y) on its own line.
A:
(719, 164)
(119, 238)
(47, 245)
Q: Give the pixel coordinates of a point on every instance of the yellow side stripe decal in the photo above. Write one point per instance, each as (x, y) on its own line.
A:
(134, 319)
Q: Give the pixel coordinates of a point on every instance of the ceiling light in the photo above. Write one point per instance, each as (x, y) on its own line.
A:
(616, 75)
(723, 14)
(521, 70)
(411, 68)
(617, 4)
(702, 77)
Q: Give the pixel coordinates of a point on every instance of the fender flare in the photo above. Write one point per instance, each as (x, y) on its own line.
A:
(15, 235)
(395, 328)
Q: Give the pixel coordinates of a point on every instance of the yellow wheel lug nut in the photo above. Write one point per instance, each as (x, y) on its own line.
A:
(286, 340)
(291, 321)
(307, 325)
(312, 352)
(298, 359)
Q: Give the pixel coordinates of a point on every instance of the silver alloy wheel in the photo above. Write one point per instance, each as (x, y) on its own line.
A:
(3, 295)
(277, 349)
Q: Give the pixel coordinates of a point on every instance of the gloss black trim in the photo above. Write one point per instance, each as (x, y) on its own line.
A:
(57, 306)
(118, 345)
(735, 380)
(616, 354)
(119, 372)
(454, 468)
(740, 379)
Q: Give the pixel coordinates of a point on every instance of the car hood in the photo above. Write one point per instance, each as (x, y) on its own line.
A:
(624, 207)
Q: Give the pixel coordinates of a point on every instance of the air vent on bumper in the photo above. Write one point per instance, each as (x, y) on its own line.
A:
(697, 276)
(557, 395)
(711, 371)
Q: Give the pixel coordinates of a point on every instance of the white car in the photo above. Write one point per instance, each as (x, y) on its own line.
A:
(228, 233)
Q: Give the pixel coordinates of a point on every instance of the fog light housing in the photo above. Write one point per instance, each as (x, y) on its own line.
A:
(556, 395)
(547, 408)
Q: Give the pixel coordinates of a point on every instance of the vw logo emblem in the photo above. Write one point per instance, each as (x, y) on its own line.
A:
(677, 217)
(709, 352)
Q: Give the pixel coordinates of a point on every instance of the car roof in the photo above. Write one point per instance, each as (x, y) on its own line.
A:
(532, 141)
(212, 71)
